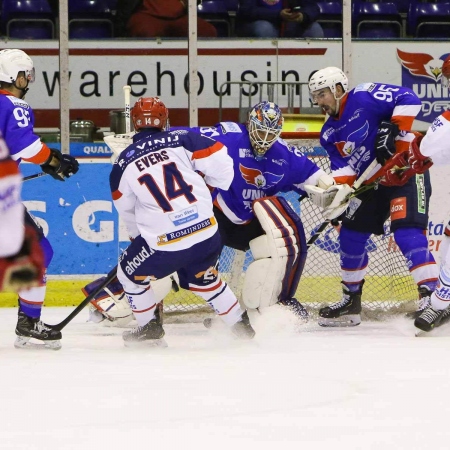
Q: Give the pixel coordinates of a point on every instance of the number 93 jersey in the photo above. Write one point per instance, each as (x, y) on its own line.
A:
(159, 187)
(16, 126)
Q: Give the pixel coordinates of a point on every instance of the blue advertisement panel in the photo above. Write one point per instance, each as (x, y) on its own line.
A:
(78, 217)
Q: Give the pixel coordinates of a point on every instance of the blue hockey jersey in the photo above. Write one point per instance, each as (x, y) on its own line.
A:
(16, 125)
(349, 138)
(283, 169)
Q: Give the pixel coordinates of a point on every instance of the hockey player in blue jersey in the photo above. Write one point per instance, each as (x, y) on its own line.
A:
(16, 125)
(366, 123)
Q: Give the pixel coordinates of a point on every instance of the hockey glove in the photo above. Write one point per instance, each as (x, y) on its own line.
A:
(321, 197)
(25, 269)
(339, 203)
(60, 166)
(385, 141)
(397, 171)
(418, 162)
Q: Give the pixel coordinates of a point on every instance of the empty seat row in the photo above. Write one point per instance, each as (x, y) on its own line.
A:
(34, 19)
(384, 20)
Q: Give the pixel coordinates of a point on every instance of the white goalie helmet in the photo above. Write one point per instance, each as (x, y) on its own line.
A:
(265, 123)
(327, 78)
(13, 61)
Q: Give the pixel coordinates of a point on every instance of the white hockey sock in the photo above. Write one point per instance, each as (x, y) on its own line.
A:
(143, 305)
(224, 303)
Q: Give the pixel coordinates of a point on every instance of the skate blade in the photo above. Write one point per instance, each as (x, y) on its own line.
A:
(351, 320)
(23, 342)
(434, 332)
(149, 343)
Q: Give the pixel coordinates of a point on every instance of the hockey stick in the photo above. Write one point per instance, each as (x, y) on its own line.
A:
(36, 175)
(357, 189)
(59, 326)
(127, 95)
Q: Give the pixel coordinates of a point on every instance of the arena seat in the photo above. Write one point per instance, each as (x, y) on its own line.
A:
(27, 19)
(376, 20)
(429, 20)
(330, 18)
(216, 12)
(90, 19)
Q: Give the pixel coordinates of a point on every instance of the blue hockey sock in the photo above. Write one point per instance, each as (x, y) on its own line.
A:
(354, 258)
(413, 243)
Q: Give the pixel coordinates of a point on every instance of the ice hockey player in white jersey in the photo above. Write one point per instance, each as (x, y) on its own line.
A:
(21, 257)
(159, 188)
(435, 148)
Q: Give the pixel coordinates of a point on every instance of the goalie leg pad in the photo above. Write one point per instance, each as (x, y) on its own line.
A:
(279, 255)
(110, 303)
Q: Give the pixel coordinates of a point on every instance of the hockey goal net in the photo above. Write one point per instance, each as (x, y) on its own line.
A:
(388, 289)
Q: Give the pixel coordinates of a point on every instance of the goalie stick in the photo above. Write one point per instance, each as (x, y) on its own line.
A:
(127, 97)
(59, 326)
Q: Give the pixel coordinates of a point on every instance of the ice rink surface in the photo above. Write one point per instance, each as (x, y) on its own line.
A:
(375, 386)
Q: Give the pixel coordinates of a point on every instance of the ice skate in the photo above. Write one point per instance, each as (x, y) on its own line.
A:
(243, 329)
(346, 313)
(432, 318)
(296, 307)
(424, 303)
(150, 334)
(30, 327)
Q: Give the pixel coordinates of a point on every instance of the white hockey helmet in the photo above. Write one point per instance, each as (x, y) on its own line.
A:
(328, 78)
(13, 61)
(264, 125)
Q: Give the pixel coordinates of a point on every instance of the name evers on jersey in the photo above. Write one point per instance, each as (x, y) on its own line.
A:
(151, 159)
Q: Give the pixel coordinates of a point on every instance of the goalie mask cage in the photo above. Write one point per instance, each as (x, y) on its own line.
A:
(389, 288)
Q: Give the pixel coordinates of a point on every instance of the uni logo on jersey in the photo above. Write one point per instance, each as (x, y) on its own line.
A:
(353, 141)
(259, 179)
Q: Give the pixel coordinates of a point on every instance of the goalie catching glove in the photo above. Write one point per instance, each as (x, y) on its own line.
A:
(60, 166)
(332, 197)
(25, 269)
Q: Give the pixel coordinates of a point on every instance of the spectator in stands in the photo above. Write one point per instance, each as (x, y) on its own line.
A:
(278, 18)
(156, 18)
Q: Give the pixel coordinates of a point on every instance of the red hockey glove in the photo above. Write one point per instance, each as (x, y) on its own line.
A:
(25, 269)
(418, 162)
(397, 171)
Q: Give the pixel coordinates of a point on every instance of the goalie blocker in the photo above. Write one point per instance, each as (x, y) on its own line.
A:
(279, 254)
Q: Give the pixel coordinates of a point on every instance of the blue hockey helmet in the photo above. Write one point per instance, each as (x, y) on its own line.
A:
(264, 125)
